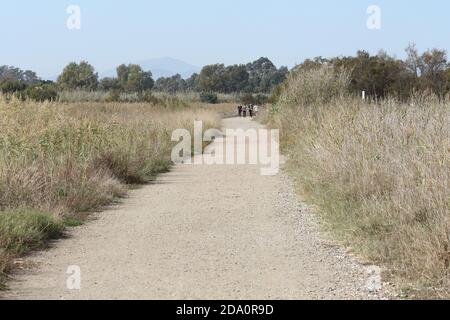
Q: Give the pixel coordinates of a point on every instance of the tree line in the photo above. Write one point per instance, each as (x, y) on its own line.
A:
(379, 75)
(260, 76)
(383, 75)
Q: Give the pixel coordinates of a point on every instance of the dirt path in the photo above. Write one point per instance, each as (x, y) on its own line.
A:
(200, 232)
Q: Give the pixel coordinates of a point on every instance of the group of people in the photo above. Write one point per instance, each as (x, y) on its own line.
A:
(248, 110)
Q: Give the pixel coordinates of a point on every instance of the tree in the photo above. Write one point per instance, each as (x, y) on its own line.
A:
(78, 76)
(30, 77)
(434, 68)
(379, 75)
(260, 76)
(447, 78)
(172, 84)
(382, 75)
(27, 77)
(192, 83)
(212, 78)
(236, 77)
(264, 75)
(413, 61)
(109, 84)
(132, 78)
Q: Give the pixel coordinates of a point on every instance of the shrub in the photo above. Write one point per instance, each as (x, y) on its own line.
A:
(275, 95)
(10, 86)
(41, 92)
(24, 229)
(209, 97)
(113, 96)
(82, 96)
(247, 99)
(259, 99)
(148, 97)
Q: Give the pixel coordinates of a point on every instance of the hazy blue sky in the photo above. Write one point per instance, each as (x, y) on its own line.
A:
(34, 34)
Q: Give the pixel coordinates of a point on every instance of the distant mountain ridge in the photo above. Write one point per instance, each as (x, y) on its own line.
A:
(162, 67)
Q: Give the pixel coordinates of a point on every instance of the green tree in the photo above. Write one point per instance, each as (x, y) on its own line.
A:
(264, 75)
(27, 77)
(212, 78)
(447, 79)
(172, 84)
(434, 64)
(236, 79)
(109, 84)
(192, 83)
(132, 78)
(78, 76)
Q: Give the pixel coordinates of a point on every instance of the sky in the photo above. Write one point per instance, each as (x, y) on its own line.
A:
(34, 34)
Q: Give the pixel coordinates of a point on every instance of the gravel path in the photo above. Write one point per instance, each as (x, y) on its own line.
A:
(200, 232)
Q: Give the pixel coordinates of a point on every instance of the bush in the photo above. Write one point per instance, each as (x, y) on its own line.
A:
(275, 95)
(209, 97)
(24, 229)
(148, 97)
(41, 92)
(10, 86)
(258, 99)
(113, 96)
(82, 96)
(247, 99)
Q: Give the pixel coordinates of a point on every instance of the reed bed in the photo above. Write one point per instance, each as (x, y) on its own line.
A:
(58, 160)
(378, 172)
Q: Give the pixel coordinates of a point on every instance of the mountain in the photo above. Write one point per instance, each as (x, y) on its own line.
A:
(162, 67)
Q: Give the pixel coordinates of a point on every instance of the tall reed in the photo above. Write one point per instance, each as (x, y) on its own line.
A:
(57, 160)
(379, 172)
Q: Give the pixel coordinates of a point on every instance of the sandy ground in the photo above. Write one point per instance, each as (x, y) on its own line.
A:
(200, 232)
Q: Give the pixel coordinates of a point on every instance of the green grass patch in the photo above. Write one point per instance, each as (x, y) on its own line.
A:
(72, 222)
(23, 230)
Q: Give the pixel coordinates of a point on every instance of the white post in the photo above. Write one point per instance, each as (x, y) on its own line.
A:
(364, 95)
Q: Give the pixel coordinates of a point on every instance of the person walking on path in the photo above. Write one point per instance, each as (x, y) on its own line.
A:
(250, 110)
(240, 111)
(245, 111)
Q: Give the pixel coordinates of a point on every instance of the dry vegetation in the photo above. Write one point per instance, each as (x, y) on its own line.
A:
(57, 160)
(380, 173)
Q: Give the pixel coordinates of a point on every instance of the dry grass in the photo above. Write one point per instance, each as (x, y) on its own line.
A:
(63, 159)
(379, 172)
(104, 96)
